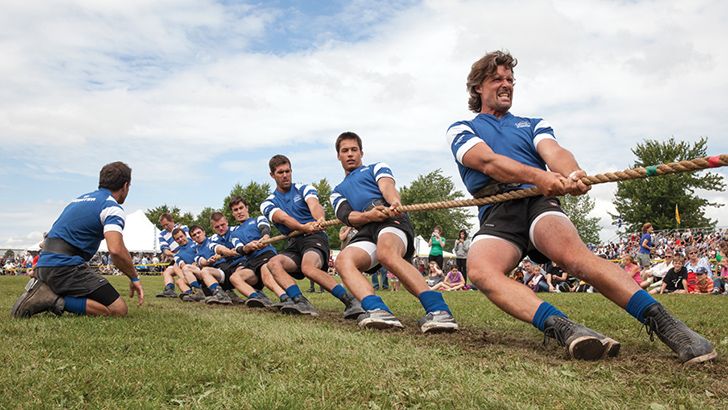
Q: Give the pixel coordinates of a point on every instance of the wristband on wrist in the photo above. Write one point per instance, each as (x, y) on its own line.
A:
(136, 279)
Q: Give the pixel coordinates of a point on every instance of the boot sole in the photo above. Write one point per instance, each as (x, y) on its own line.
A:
(294, 311)
(216, 302)
(353, 315)
(440, 328)
(700, 359)
(255, 304)
(613, 347)
(380, 325)
(587, 348)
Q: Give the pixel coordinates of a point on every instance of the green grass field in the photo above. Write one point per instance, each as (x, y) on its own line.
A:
(172, 354)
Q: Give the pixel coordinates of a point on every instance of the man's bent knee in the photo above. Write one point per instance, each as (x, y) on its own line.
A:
(118, 308)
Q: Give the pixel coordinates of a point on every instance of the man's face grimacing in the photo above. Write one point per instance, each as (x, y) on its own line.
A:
(181, 238)
(220, 226)
(240, 212)
(496, 92)
(350, 155)
(282, 175)
(198, 235)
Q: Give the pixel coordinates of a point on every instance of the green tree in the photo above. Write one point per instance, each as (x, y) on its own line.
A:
(253, 193)
(324, 192)
(435, 187)
(9, 254)
(184, 218)
(654, 199)
(578, 209)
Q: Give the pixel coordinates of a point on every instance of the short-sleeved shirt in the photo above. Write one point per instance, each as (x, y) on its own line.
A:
(167, 242)
(674, 280)
(186, 253)
(360, 188)
(510, 136)
(648, 237)
(205, 251)
(292, 203)
(701, 263)
(249, 231)
(225, 240)
(82, 224)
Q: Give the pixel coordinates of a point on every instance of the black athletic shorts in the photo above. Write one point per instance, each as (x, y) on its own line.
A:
(317, 242)
(228, 267)
(256, 263)
(512, 220)
(370, 233)
(79, 280)
(106, 295)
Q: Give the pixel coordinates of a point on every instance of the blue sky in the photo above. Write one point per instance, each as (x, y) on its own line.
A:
(197, 95)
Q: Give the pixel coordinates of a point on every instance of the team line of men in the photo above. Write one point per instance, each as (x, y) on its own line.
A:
(495, 152)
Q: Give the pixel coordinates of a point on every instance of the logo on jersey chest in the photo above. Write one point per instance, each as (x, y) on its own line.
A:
(297, 198)
(523, 124)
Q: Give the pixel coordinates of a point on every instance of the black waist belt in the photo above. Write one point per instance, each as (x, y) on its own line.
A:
(58, 245)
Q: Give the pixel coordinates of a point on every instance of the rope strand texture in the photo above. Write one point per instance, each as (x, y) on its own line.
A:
(691, 165)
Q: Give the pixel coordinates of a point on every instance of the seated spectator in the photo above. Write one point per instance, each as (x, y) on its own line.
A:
(653, 276)
(703, 283)
(453, 281)
(676, 279)
(557, 279)
(632, 269)
(720, 284)
(537, 279)
(692, 264)
(435, 275)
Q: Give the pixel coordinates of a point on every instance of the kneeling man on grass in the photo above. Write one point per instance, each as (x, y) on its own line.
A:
(65, 282)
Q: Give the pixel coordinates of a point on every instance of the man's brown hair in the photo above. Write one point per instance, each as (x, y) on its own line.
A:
(278, 160)
(484, 68)
(348, 135)
(113, 176)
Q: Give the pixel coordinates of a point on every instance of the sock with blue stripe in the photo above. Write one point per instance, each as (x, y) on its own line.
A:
(638, 304)
(373, 302)
(74, 305)
(545, 310)
(213, 287)
(293, 291)
(433, 301)
(169, 286)
(284, 297)
(195, 284)
(255, 294)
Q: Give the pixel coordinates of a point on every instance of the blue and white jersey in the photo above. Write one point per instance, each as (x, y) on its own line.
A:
(292, 203)
(206, 251)
(360, 188)
(82, 224)
(225, 240)
(167, 242)
(249, 231)
(510, 136)
(186, 253)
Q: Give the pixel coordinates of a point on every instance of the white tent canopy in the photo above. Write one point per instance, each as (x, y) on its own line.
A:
(422, 249)
(140, 235)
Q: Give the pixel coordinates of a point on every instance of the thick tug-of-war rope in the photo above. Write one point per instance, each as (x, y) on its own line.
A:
(626, 175)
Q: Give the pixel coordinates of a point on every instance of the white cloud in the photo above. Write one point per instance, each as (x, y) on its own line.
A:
(169, 79)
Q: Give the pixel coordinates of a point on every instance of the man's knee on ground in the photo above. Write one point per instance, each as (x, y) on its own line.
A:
(118, 308)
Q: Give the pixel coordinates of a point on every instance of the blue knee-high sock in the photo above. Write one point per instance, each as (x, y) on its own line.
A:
(213, 287)
(433, 301)
(169, 286)
(74, 305)
(293, 291)
(544, 311)
(373, 302)
(195, 284)
(638, 304)
(339, 292)
(255, 294)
